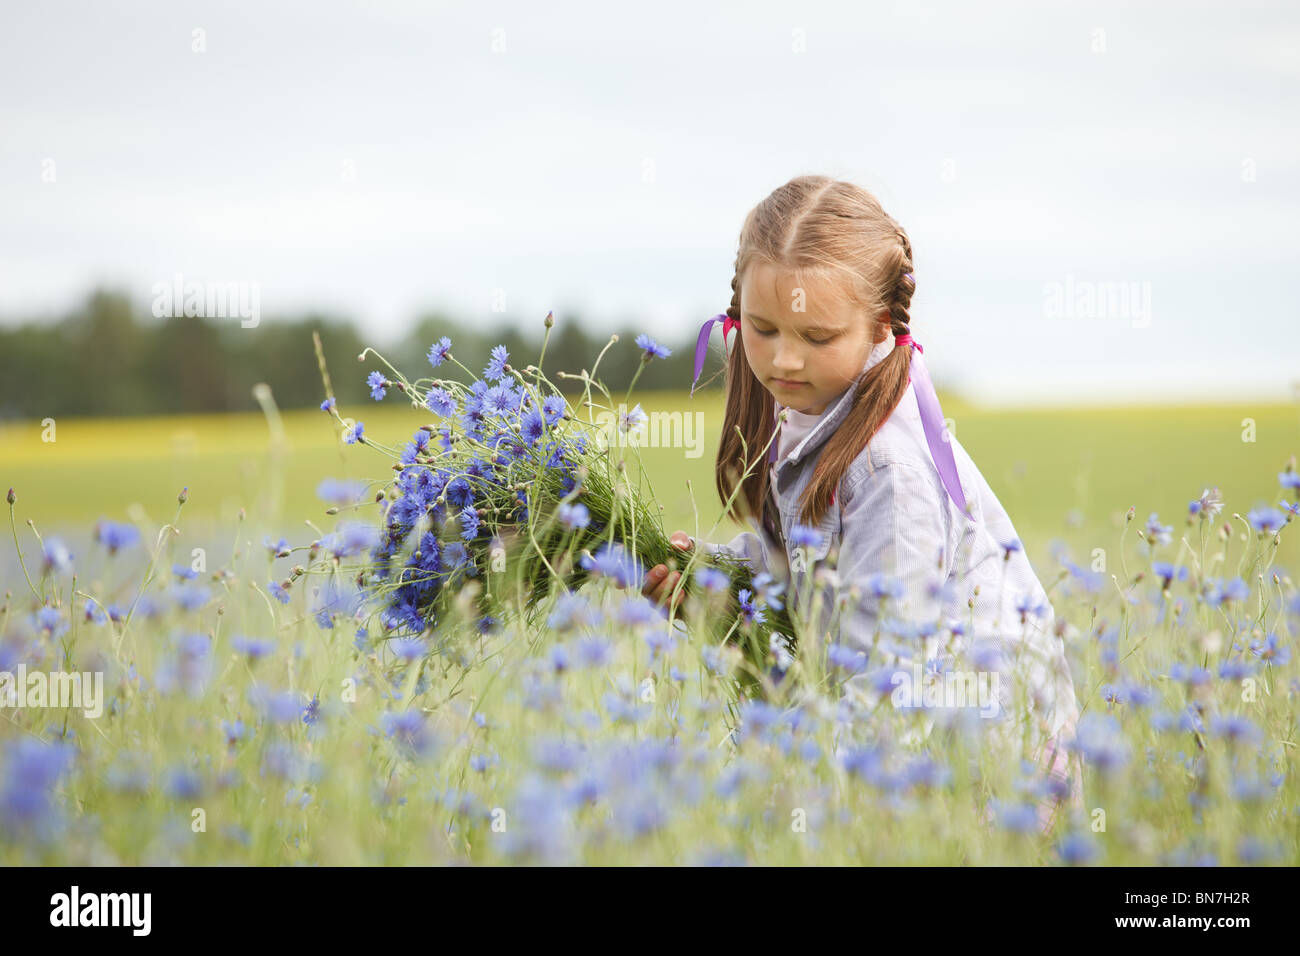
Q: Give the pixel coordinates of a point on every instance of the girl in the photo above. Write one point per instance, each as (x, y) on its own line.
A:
(846, 459)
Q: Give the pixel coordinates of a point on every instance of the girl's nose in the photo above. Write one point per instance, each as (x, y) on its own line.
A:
(786, 360)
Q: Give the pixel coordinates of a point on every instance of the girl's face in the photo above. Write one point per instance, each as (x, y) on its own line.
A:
(805, 344)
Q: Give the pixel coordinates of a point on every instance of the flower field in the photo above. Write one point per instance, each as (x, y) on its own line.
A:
(412, 633)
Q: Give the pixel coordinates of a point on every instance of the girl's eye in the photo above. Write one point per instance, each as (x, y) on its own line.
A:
(770, 332)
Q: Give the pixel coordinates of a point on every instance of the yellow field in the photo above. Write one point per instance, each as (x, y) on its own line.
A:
(1066, 474)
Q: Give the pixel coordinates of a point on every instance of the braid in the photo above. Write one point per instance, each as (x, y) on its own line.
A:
(904, 287)
(733, 310)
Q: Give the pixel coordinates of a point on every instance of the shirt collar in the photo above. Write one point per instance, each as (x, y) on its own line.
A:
(834, 412)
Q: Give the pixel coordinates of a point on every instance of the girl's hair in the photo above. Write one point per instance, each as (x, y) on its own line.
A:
(833, 230)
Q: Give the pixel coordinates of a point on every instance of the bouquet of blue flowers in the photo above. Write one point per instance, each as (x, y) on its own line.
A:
(512, 498)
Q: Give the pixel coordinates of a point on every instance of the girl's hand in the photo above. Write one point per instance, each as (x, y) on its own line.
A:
(659, 583)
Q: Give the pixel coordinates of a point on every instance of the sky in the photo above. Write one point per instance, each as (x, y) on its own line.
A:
(500, 160)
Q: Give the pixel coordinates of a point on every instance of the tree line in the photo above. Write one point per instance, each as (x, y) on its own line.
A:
(109, 356)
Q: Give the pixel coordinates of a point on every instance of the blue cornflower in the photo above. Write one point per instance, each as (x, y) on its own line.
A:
(234, 731)
(630, 421)
(190, 596)
(1266, 520)
(1270, 651)
(468, 523)
(115, 536)
(1207, 506)
(1157, 532)
(660, 642)
(1289, 479)
(769, 589)
(1191, 676)
(340, 492)
(497, 364)
(801, 536)
(1016, 817)
(184, 573)
(1010, 547)
(712, 579)
(638, 610)
(846, 658)
(1077, 848)
(354, 434)
(715, 659)
(253, 647)
(574, 515)
(94, 612)
(1236, 728)
(350, 538)
(1290, 507)
(1222, 590)
(408, 727)
(184, 784)
(748, 609)
(408, 648)
(32, 768)
(572, 611)
(1099, 739)
(327, 405)
(553, 407)
(275, 547)
(1167, 572)
(56, 556)
(779, 645)
(882, 585)
(378, 385)
(439, 351)
(280, 707)
(1236, 669)
(278, 591)
(593, 651)
(440, 402)
(652, 348)
(1028, 605)
(532, 427)
(615, 562)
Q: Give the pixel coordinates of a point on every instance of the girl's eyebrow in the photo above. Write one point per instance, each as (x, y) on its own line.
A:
(810, 328)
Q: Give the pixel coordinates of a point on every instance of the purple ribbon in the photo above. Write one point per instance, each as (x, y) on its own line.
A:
(702, 342)
(932, 422)
(926, 399)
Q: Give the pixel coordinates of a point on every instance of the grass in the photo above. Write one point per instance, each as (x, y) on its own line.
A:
(510, 747)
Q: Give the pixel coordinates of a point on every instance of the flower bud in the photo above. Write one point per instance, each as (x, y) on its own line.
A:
(549, 321)
(184, 496)
(11, 497)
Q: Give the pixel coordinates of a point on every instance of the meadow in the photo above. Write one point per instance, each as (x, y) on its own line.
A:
(248, 724)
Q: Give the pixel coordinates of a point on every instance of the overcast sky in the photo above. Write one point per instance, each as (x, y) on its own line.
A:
(374, 159)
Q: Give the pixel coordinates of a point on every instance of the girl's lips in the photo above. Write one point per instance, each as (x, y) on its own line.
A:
(788, 384)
